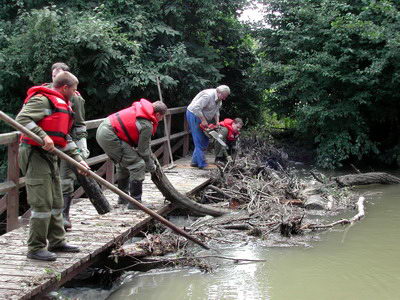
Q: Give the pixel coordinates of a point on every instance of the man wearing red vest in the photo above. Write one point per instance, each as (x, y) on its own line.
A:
(78, 135)
(229, 130)
(47, 112)
(125, 137)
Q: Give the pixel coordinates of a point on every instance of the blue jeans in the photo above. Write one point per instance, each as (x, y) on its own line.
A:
(200, 140)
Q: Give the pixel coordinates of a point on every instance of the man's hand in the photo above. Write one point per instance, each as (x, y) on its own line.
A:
(83, 163)
(229, 158)
(85, 152)
(82, 145)
(48, 144)
(204, 124)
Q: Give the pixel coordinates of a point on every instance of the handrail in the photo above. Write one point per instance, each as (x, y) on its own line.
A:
(10, 187)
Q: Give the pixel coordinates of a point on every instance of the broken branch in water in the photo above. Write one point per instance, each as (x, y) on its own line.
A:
(358, 216)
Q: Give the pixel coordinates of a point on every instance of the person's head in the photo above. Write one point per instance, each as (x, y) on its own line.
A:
(66, 84)
(237, 124)
(223, 92)
(57, 68)
(160, 109)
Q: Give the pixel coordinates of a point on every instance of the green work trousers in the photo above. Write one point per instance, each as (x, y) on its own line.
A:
(221, 152)
(129, 163)
(43, 188)
(68, 178)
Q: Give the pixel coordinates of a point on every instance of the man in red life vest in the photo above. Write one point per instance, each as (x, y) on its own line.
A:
(125, 137)
(78, 135)
(47, 112)
(229, 130)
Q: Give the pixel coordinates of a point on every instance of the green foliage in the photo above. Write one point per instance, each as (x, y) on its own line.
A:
(117, 49)
(334, 67)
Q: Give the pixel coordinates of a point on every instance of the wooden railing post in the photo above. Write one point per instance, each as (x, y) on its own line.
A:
(185, 146)
(13, 195)
(10, 188)
(167, 124)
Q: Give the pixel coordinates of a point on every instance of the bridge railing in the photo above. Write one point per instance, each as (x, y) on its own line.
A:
(9, 189)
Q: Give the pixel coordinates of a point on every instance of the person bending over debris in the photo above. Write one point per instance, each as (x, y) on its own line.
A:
(48, 113)
(79, 135)
(203, 109)
(229, 130)
(123, 130)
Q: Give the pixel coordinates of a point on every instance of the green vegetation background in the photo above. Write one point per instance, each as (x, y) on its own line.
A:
(328, 69)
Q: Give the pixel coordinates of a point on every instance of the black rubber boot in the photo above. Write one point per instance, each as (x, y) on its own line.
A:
(67, 205)
(123, 185)
(64, 247)
(42, 255)
(136, 189)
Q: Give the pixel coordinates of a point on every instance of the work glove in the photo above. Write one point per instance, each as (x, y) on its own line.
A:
(82, 145)
(150, 166)
(229, 158)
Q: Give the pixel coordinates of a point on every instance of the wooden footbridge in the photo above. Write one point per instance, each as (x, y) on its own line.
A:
(97, 235)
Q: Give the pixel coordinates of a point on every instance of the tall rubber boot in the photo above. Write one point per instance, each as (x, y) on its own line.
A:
(67, 205)
(123, 185)
(136, 189)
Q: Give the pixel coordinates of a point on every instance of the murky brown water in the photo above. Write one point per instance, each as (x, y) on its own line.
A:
(360, 262)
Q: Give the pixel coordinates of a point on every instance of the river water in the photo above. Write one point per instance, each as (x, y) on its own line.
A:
(357, 262)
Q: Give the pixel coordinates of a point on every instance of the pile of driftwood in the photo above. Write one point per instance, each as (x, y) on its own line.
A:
(267, 200)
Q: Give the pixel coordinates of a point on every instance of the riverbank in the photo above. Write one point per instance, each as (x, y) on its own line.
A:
(257, 221)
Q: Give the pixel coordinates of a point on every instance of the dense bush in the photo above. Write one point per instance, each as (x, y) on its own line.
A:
(334, 66)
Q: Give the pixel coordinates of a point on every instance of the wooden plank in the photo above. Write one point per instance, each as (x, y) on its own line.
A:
(176, 110)
(177, 146)
(185, 147)
(97, 159)
(10, 137)
(3, 204)
(92, 124)
(94, 234)
(13, 195)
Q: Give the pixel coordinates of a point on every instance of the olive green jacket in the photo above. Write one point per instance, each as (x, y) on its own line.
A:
(34, 111)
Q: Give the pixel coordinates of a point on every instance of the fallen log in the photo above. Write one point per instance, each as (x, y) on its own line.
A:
(171, 194)
(366, 178)
(357, 217)
(93, 192)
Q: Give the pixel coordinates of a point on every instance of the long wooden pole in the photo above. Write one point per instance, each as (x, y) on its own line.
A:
(166, 127)
(101, 180)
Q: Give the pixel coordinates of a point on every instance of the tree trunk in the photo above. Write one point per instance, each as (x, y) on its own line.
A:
(366, 178)
(93, 192)
(180, 200)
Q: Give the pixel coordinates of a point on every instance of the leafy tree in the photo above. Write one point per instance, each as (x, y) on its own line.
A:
(117, 49)
(334, 66)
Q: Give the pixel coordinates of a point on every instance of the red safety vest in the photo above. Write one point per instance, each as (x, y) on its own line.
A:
(58, 124)
(232, 134)
(124, 121)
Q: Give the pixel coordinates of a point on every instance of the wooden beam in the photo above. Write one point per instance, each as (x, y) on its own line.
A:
(13, 195)
(177, 146)
(9, 138)
(167, 131)
(185, 147)
(3, 204)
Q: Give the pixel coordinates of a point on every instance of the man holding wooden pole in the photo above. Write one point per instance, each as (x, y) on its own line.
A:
(47, 112)
(68, 172)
